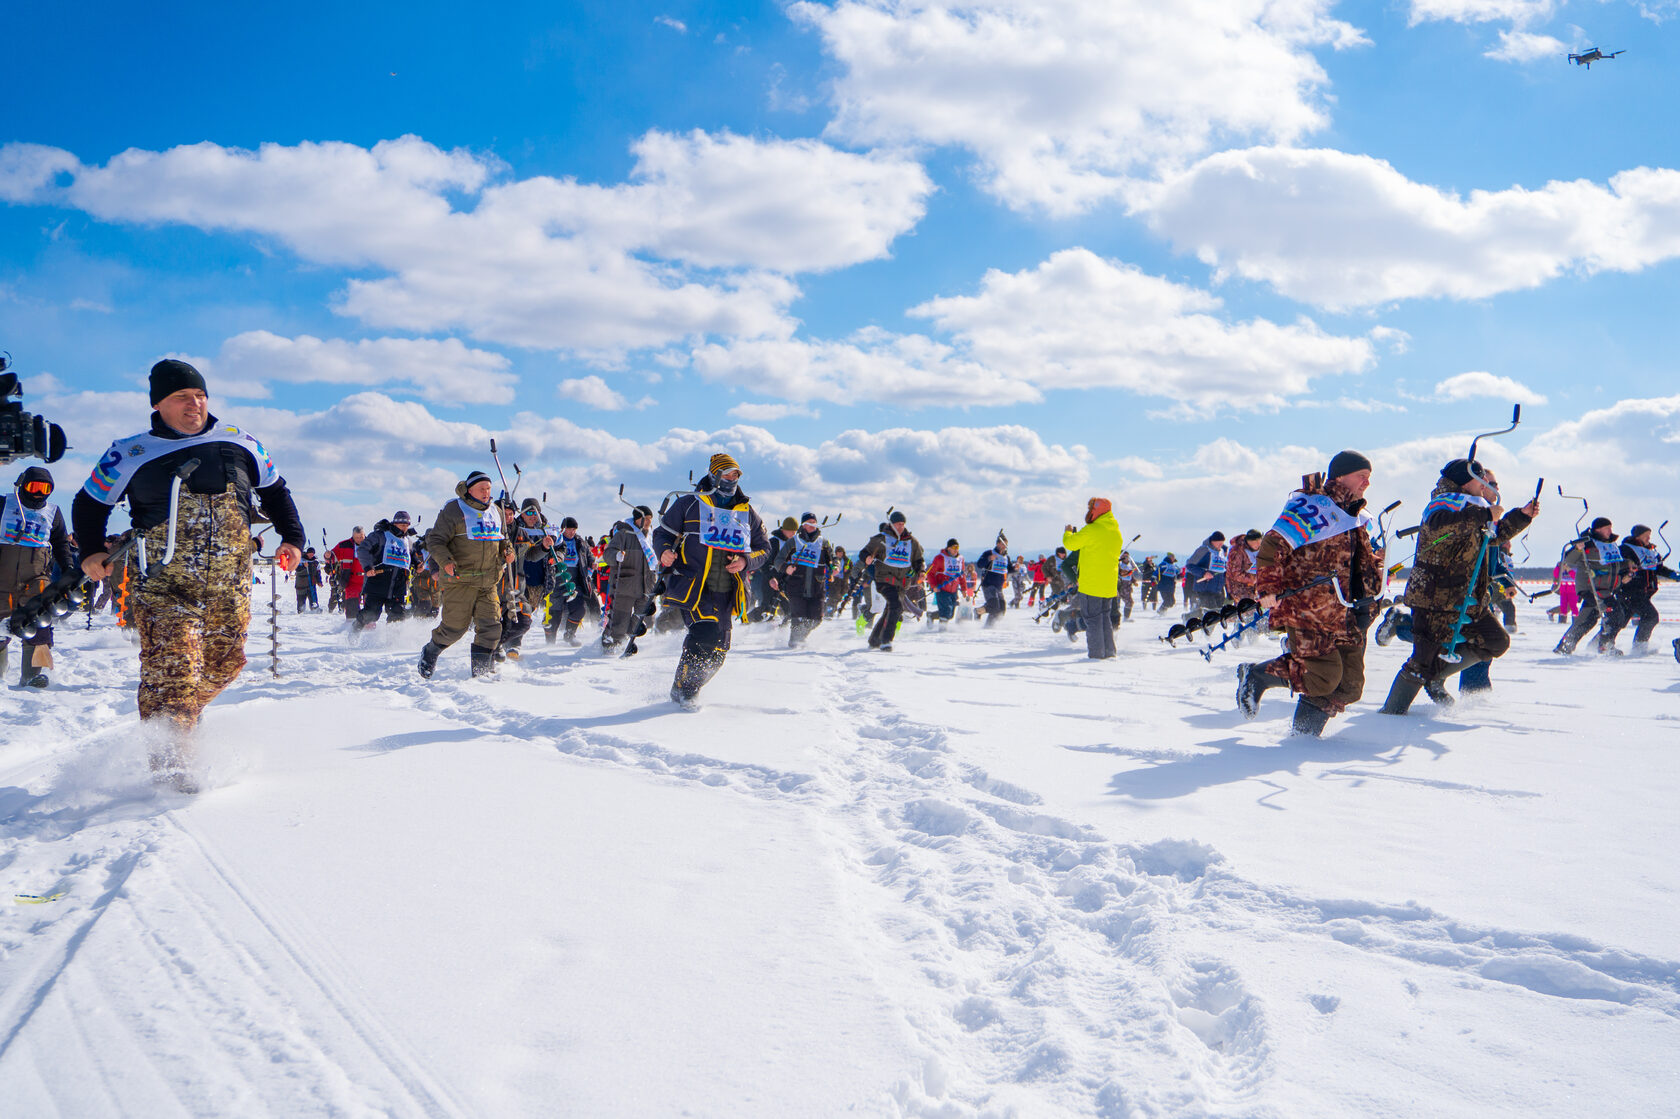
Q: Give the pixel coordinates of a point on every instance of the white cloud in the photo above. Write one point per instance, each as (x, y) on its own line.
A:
(1076, 321)
(1340, 230)
(674, 24)
(29, 170)
(1519, 12)
(1525, 46)
(769, 413)
(440, 370)
(595, 393)
(1466, 386)
(700, 242)
(1063, 101)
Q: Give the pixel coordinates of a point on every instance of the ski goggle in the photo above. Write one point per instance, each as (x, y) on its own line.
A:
(37, 488)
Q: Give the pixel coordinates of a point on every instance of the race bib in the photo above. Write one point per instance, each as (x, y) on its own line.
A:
(1000, 564)
(486, 525)
(569, 549)
(1217, 562)
(1451, 503)
(1648, 558)
(1609, 552)
(395, 552)
(647, 550)
(727, 530)
(1310, 517)
(27, 528)
(808, 553)
(898, 552)
(116, 469)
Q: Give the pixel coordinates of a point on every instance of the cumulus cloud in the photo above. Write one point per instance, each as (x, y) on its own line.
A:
(1339, 231)
(1519, 12)
(441, 370)
(1063, 101)
(1466, 386)
(700, 242)
(1525, 46)
(1075, 321)
(596, 393)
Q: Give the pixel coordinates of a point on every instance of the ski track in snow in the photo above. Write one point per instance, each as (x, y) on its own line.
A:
(1040, 963)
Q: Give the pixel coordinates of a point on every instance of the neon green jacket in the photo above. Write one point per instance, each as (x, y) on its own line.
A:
(1099, 545)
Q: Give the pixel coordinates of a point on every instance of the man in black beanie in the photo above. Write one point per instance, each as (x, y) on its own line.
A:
(1452, 578)
(193, 610)
(1322, 531)
(1600, 568)
(1644, 567)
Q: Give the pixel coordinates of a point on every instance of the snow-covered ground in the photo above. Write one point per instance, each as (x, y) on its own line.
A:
(979, 875)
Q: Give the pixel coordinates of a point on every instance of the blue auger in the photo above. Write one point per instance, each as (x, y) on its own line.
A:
(1213, 618)
(1049, 605)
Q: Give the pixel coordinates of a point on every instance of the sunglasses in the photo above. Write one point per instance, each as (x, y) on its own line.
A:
(38, 487)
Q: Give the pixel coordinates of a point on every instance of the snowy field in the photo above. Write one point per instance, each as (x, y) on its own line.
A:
(979, 875)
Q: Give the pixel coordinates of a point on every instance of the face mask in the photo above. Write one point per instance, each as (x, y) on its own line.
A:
(725, 488)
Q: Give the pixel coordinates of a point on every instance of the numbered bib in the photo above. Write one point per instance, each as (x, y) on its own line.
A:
(26, 528)
(395, 553)
(569, 549)
(486, 525)
(1000, 564)
(1648, 558)
(1217, 562)
(1609, 552)
(1310, 517)
(727, 530)
(898, 553)
(808, 553)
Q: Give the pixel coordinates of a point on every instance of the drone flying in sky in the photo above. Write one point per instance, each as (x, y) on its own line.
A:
(1591, 55)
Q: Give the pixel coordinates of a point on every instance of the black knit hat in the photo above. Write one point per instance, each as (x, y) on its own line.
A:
(952, 543)
(1638, 530)
(1220, 536)
(569, 522)
(172, 375)
(897, 518)
(1601, 522)
(1460, 470)
(530, 505)
(803, 517)
(400, 517)
(1347, 462)
(475, 478)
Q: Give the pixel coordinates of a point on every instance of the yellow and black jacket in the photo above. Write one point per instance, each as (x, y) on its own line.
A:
(698, 566)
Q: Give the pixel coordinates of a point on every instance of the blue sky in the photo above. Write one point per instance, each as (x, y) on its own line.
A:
(1173, 256)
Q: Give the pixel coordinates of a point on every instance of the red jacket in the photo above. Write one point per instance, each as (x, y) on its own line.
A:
(345, 550)
(948, 570)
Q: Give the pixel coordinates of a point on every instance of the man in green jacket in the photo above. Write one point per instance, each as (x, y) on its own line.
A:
(1099, 545)
(468, 542)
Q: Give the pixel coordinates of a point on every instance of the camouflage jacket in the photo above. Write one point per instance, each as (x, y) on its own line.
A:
(1594, 576)
(1281, 567)
(1239, 570)
(1449, 542)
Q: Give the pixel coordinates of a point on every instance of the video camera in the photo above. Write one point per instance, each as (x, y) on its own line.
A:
(23, 435)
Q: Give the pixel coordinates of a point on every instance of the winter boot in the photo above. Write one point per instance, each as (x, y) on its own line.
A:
(428, 659)
(1386, 627)
(1401, 693)
(551, 635)
(32, 675)
(483, 661)
(571, 635)
(1252, 683)
(1608, 649)
(1310, 719)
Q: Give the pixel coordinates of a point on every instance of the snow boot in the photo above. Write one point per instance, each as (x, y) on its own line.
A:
(1606, 649)
(483, 661)
(33, 675)
(1401, 693)
(1386, 627)
(1252, 683)
(571, 635)
(428, 659)
(1310, 719)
